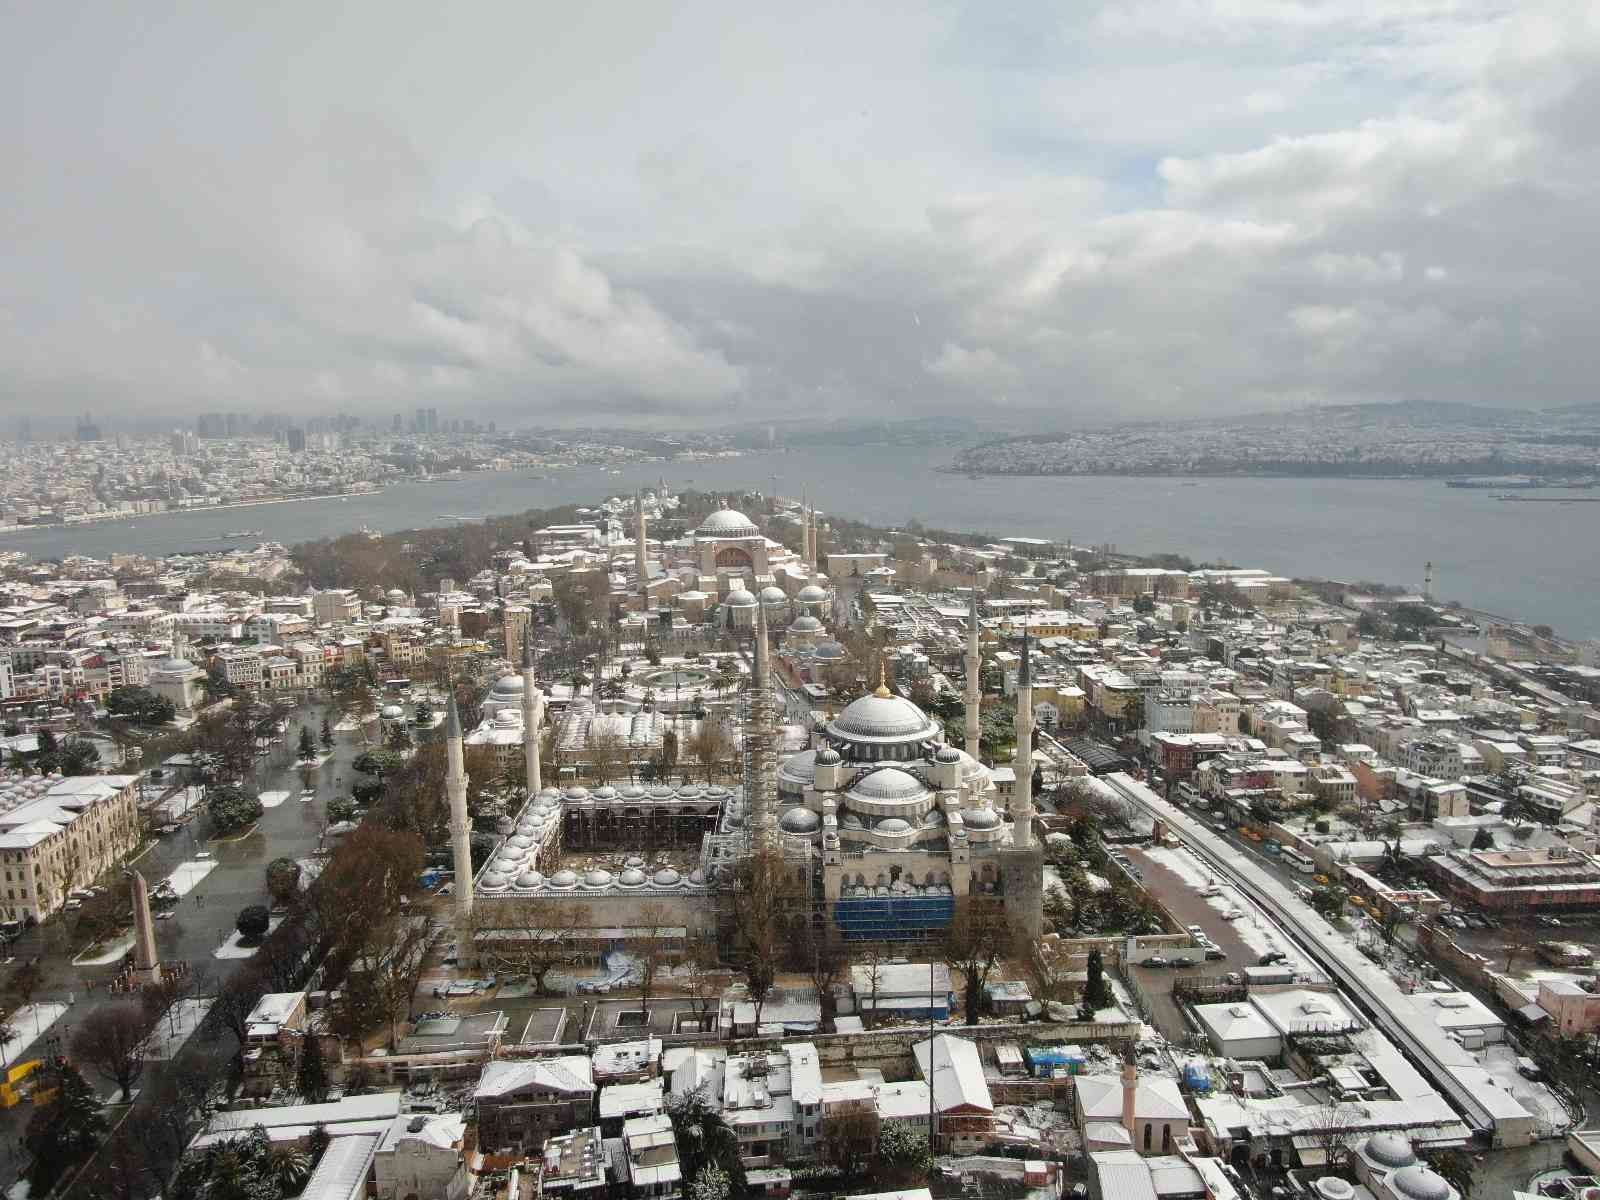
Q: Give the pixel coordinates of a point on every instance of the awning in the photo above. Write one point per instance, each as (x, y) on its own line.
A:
(1532, 1014)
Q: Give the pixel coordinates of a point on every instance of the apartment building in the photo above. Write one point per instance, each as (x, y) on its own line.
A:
(61, 834)
(335, 606)
(521, 1103)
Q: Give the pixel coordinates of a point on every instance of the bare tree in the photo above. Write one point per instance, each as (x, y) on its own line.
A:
(113, 1040)
(977, 938)
(822, 956)
(709, 745)
(1334, 1129)
(871, 960)
(702, 980)
(763, 895)
(607, 751)
(648, 946)
(532, 939)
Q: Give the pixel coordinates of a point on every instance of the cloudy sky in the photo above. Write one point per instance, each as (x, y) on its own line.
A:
(1037, 213)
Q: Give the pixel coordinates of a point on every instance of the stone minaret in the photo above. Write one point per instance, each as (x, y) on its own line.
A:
(455, 790)
(532, 716)
(760, 737)
(974, 712)
(641, 566)
(146, 963)
(1022, 798)
(811, 541)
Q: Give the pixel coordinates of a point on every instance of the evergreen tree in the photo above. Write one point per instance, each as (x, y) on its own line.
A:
(1096, 994)
(308, 746)
(327, 733)
(311, 1080)
(63, 1133)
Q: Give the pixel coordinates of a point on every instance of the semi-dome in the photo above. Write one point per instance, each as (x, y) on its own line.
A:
(893, 825)
(811, 594)
(889, 783)
(1420, 1183)
(727, 523)
(827, 757)
(799, 820)
(740, 598)
(1390, 1149)
(980, 818)
(882, 717)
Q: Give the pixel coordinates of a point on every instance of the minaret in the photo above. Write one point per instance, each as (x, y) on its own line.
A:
(532, 716)
(641, 567)
(974, 693)
(1022, 798)
(1427, 581)
(760, 737)
(811, 541)
(455, 790)
(146, 964)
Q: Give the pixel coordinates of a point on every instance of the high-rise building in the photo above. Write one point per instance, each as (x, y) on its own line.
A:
(295, 439)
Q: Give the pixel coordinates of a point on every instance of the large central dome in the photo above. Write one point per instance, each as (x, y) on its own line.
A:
(727, 523)
(882, 718)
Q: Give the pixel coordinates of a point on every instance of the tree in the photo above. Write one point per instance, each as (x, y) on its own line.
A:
(647, 946)
(78, 756)
(977, 937)
(763, 897)
(1334, 1129)
(311, 1077)
(307, 751)
(236, 1168)
(710, 1184)
(871, 960)
(64, 1132)
(283, 880)
(140, 705)
(231, 808)
(346, 808)
(113, 1040)
(702, 981)
(367, 881)
(252, 924)
(533, 939)
(1096, 992)
(607, 752)
(379, 763)
(903, 1153)
(709, 745)
(327, 733)
(1456, 1167)
(703, 1137)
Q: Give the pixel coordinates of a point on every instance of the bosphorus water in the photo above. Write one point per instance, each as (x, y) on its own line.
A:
(1536, 562)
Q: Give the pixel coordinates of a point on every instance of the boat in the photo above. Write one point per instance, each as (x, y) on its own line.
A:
(243, 533)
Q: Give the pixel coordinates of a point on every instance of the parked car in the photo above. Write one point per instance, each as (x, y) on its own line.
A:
(1154, 960)
(1272, 958)
(1215, 954)
(1183, 960)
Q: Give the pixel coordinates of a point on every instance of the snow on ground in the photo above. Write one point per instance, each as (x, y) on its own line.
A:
(106, 954)
(310, 868)
(1182, 864)
(31, 1022)
(1548, 1112)
(189, 874)
(175, 1026)
(1253, 931)
(272, 799)
(232, 949)
(181, 803)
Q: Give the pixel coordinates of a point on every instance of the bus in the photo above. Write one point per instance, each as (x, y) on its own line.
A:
(1298, 860)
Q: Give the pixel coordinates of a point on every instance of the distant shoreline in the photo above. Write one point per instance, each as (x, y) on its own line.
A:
(1374, 476)
(108, 518)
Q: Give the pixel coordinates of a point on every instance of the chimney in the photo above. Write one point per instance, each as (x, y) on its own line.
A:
(1130, 1088)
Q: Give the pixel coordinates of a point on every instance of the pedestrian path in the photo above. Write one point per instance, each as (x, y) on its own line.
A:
(189, 874)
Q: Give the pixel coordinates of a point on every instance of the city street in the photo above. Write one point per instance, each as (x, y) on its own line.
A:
(204, 917)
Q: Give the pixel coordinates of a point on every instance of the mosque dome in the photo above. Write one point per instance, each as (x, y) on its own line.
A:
(632, 877)
(827, 757)
(933, 818)
(633, 792)
(811, 594)
(1419, 1183)
(521, 840)
(805, 624)
(577, 792)
(605, 792)
(947, 754)
(727, 523)
(564, 879)
(667, 877)
(530, 879)
(800, 820)
(597, 878)
(715, 791)
(893, 825)
(981, 818)
(392, 712)
(492, 881)
(740, 598)
(828, 650)
(550, 795)
(773, 594)
(799, 768)
(394, 594)
(507, 685)
(890, 783)
(1390, 1149)
(506, 865)
(882, 717)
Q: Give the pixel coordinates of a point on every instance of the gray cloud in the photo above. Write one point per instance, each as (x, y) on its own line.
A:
(1056, 213)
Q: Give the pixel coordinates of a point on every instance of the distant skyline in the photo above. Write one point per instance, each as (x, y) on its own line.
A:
(711, 213)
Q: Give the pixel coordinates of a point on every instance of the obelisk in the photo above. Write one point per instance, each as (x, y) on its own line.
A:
(146, 965)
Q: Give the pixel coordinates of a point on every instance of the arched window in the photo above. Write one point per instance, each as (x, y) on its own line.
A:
(1166, 1139)
(1147, 1135)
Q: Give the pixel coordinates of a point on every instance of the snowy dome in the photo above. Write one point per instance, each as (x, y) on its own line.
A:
(530, 879)
(697, 876)
(667, 877)
(564, 879)
(550, 795)
(728, 523)
(827, 757)
(892, 825)
(507, 685)
(605, 793)
(632, 877)
(828, 650)
(882, 717)
(739, 598)
(773, 594)
(597, 878)
(1420, 1183)
(577, 792)
(947, 754)
(633, 792)
(805, 624)
(1390, 1149)
(506, 866)
(392, 712)
(492, 881)
(890, 783)
(395, 594)
(811, 594)
(520, 840)
(981, 818)
(799, 768)
(800, 820)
